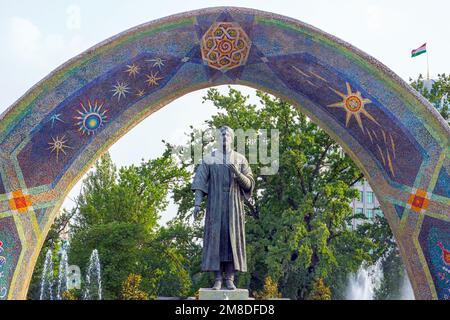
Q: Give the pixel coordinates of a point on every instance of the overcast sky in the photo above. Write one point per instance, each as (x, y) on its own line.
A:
(38, 36)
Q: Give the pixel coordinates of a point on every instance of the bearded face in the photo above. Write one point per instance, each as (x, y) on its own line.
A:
(227, 138)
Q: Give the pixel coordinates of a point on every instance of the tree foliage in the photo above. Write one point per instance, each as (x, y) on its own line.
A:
(298, 224)
(131, 288)
(392, 266)
(300, 243)
(133, 194)
(270, 290)
(117, 213)
(70, 295)
(438, 94)
(320, 291)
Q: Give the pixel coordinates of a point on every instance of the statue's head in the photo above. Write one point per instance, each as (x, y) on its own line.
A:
(227, 135)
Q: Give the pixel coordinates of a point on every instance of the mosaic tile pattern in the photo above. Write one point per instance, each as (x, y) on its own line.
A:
(435, 243)
(51, 136)
(225, 46)
(10, 246)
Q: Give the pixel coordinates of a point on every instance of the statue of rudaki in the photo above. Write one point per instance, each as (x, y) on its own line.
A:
(226, 178)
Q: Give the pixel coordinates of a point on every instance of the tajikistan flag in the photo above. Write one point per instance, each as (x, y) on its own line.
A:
(419, 50)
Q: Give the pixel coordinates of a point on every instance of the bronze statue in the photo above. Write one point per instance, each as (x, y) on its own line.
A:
(226, 178)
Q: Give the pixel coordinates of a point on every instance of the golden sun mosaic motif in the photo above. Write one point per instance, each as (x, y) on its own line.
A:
(354, 105)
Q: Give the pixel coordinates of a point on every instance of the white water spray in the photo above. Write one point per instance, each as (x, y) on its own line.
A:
(406, 291)
(47, 277)
(93, 284)
(362, 285)
(62, 274)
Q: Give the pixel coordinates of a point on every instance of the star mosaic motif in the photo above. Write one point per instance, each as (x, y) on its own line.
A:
(55, 117)
(354, 105)
(120, 89)
(157, 62)
(58, 145)
(140, 93)
(152, 79)
(132, 70)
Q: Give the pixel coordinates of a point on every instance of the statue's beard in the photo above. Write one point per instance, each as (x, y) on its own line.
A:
(226, 147)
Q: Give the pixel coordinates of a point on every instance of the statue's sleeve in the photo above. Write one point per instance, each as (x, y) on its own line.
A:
(247, 172)
(201, 178)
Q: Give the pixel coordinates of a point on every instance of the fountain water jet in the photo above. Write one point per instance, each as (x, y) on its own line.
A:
(362, 285)
(62, 274)
(406, 291)
(47, 277)
(93, 289)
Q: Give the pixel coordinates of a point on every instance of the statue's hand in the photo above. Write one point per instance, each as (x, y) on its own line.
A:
(196, 212)
(233, 168)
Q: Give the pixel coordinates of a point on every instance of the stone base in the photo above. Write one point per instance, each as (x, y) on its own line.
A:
(223, 294)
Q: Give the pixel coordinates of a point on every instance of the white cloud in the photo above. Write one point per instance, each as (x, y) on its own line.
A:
(53, 43)
(374, 18)
(25, 37)
(73, 21)
(30, 44)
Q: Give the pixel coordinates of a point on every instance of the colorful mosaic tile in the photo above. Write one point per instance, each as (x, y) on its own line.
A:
(435, 243)
(10, 249)
(418, 200)
(399, 210)
(53, 134)
(19, 202)
(442, 187)
(225, 46)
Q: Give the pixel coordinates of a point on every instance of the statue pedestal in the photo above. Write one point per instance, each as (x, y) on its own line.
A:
(223, 294)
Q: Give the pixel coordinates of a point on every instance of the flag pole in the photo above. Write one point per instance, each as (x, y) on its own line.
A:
(428, 68)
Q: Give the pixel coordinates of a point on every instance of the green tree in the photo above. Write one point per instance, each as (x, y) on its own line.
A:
(119, 245)
(298, 224)
(70, 295)
(438, 94)
(131, 290)
(52, 242)
(134, 194)
(320, 291)
(392, 265)
(270, 290)
(117, 213)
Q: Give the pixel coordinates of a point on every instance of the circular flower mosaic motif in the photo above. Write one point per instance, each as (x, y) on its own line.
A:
(225, 46)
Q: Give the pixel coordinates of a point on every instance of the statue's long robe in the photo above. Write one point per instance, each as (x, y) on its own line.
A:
(209, 179)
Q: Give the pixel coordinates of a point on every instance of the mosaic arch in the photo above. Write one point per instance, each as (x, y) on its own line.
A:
(53, 134)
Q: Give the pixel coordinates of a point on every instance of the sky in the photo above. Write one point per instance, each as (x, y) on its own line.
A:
(38, 36)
